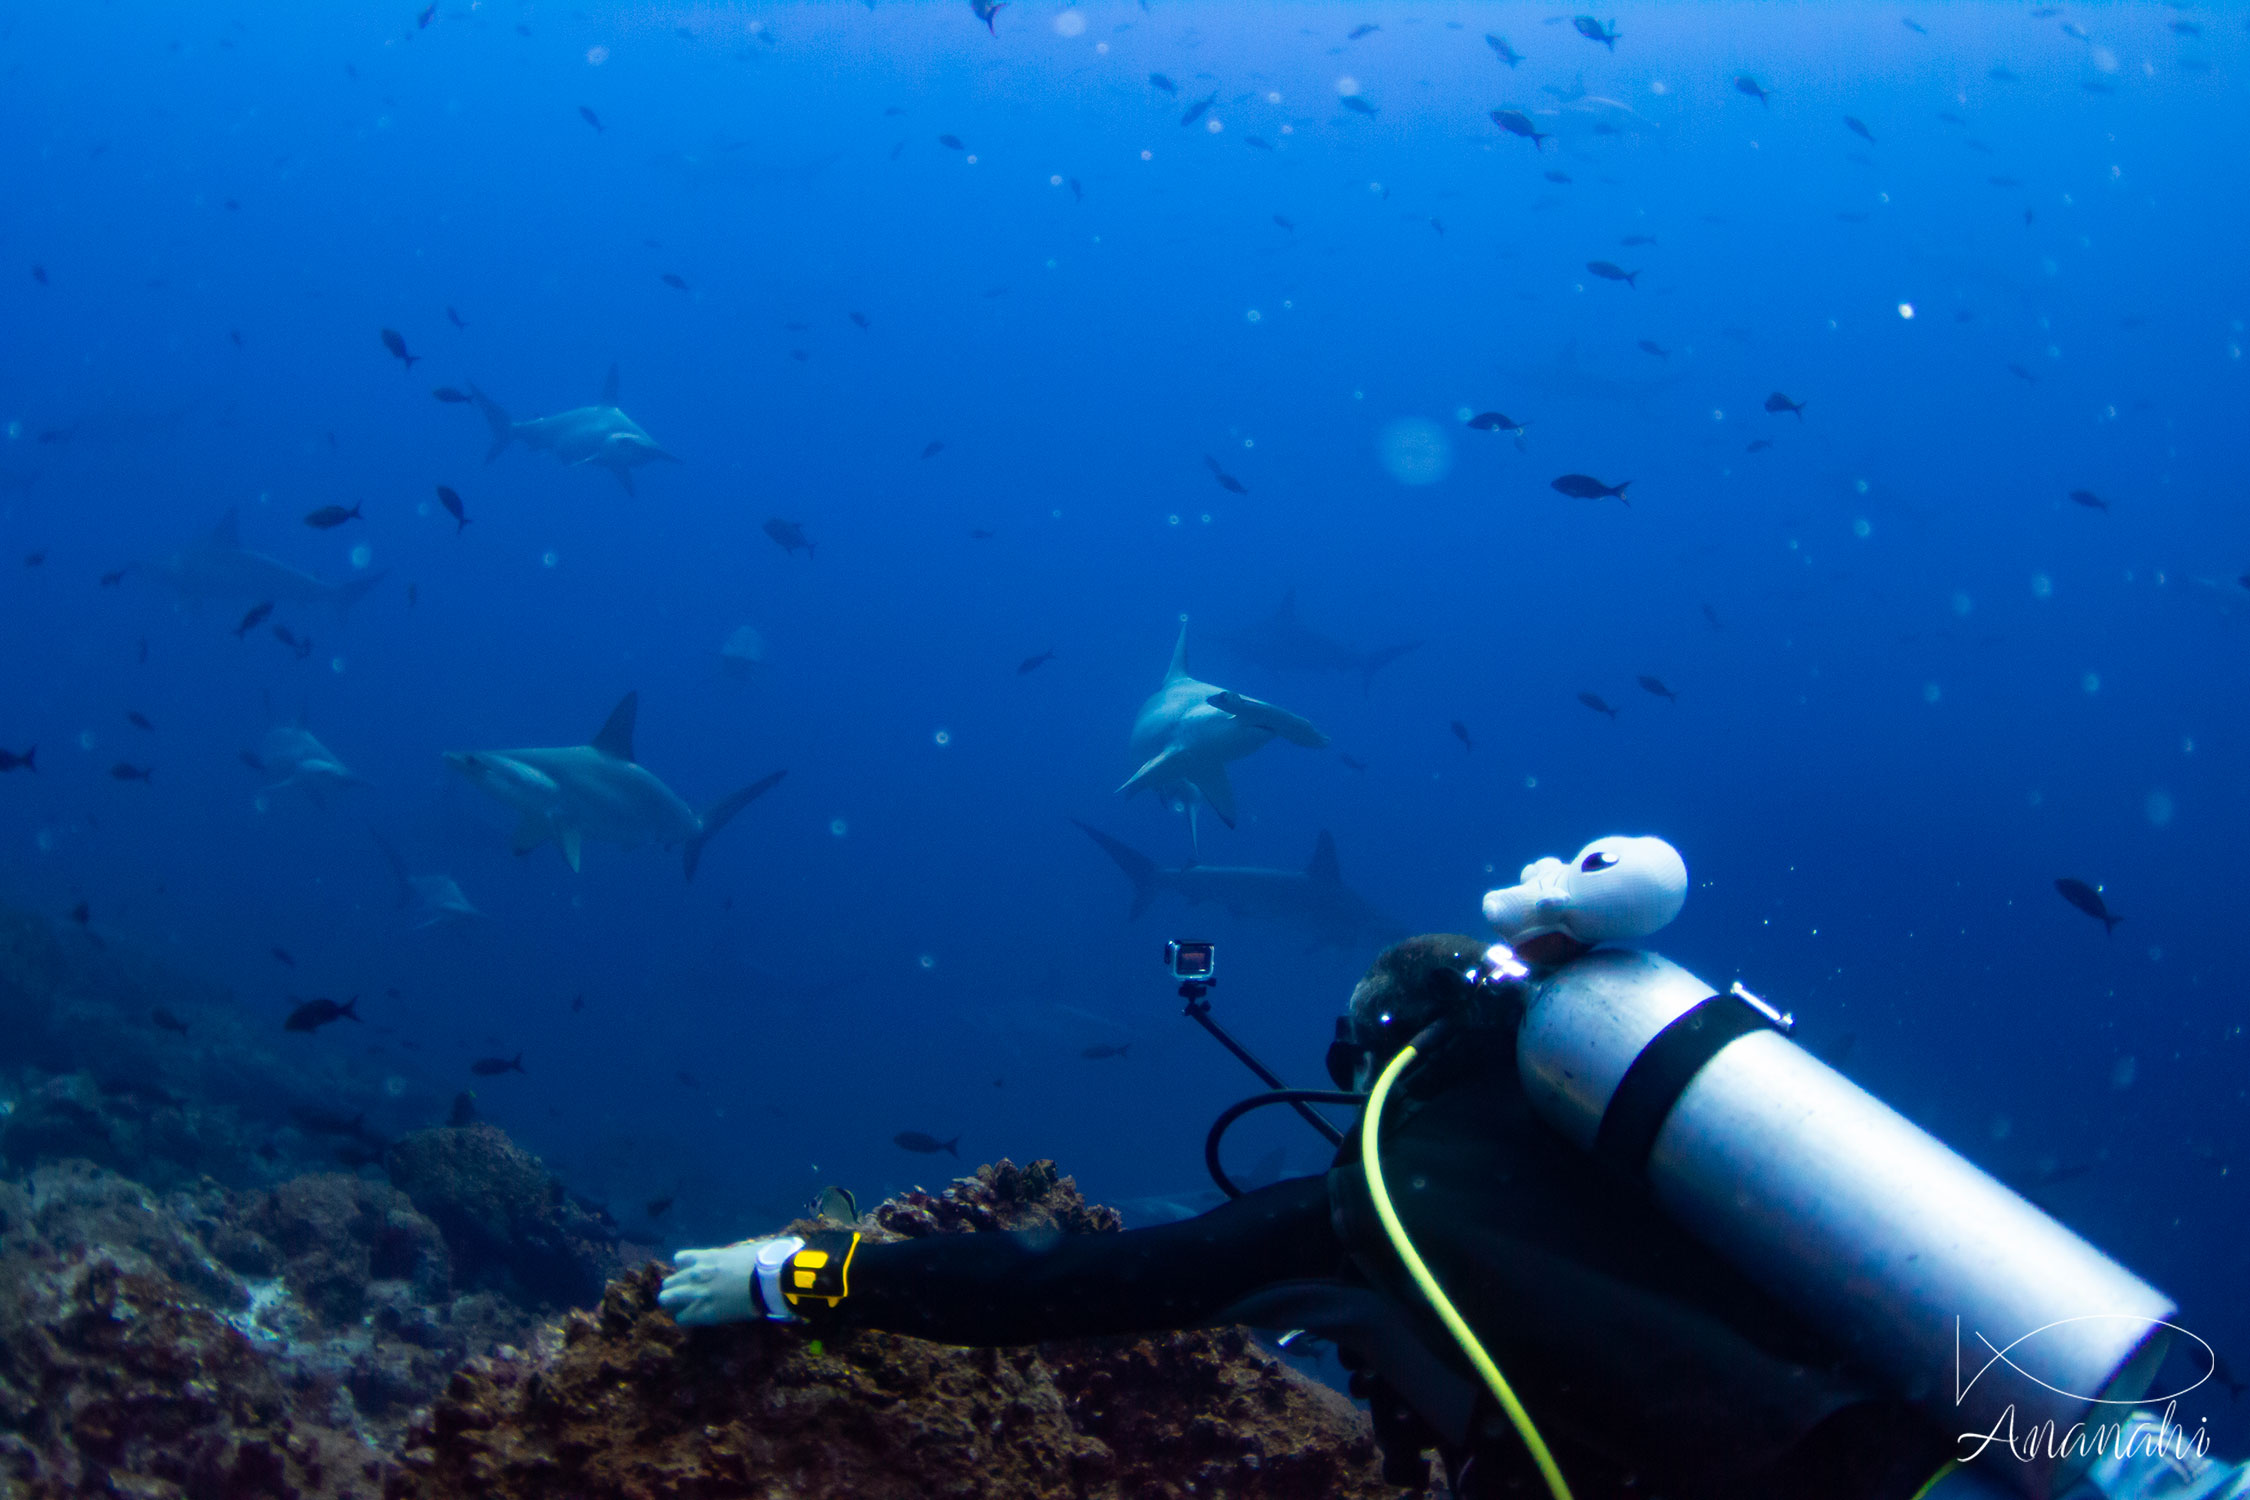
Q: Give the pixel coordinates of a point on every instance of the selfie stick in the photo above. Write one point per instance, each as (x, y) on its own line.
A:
(1199, 1011)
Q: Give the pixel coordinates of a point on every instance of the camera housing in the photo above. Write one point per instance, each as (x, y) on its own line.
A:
(1192, 962)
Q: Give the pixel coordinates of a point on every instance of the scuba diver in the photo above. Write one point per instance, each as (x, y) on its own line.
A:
(1599, 1230)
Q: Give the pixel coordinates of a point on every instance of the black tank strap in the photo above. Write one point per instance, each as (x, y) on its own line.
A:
(1657, 1078)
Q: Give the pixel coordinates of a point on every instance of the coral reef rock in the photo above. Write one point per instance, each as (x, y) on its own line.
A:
(506, 1218)
(623, 1404)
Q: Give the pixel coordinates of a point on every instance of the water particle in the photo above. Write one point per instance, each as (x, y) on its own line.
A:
(1863, 528)
(2042, 587)
(928, 960)
(362, 555)
(2091, 683)
(1931, 692)
(1070, 23)
(596, 56)
(2159, 807)
(548, 559)
(1906, 311)
(336, 664)
(943, 737)
(838, 828)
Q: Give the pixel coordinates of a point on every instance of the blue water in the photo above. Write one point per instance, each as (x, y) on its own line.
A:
(1916, 682)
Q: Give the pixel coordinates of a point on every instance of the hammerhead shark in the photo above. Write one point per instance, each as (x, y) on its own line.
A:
(219, 568)
(1314, 899)
(598, 791)
(436, 900)
(294, 756)
(1188, 730)
(600, 436)
(1286, 644)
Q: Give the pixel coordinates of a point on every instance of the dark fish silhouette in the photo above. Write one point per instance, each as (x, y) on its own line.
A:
(2088, 900)
(39, 274)
(1284, 223)
(137, 719)
(282, 954)
(674, 280)
(1506, 53)
(982, 534)
(1745, 84)
(1759, 445)
(451, 396)
(1611, 271)
(1858, 127)
(303, 648)
(28, 761)
(1227, 481)
(1587, 487)
(493, 1067)
(933, 447)
(1356, 104)
(1516, 122)
(1558, 176)
(1593, 31)
(1195, 110)
(1594, 702)
(951, 143)
(657, 1208)
(1159, 81)
(1656, 686)
(2023, 374)
(429, 13)
(2088, 499)
(396, 343)
(577, 1004)
(1077, 193)
(34, 559)
(1351, 762)
(1101, 1051)
(113, 578)
(1365, 29)
(986, 10)
(926, 1145)
(1638, 239)
(464, 1110)
(314, 1014)
(591, 118)
(454, 318)
(1496, 421)
(82, 914)
(1461, 733)
(127, 771)
(1914, 26)
(329, 517)
(788, 535)
(452, 503)
(1033, 663)
(253, 619)
(1651, 346)
(1260, 143)
(164, 1020)
(859, 318)
(1777, 403)
(1711, 617)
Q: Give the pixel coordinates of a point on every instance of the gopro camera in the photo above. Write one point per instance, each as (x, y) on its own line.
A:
(1195, 963)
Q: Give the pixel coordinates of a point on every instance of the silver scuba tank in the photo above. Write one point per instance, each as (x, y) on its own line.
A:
(1973, 1303)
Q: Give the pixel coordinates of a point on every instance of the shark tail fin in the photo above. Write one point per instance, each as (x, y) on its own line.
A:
(1138, 867)
(625, 478)
(350, 593)
(398, 868)
(495, 417)
(953, 1147)
(721, 813)
(1375, 661)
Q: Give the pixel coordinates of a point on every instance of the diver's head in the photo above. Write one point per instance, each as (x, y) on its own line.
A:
(1441, 976)
(1615, 890)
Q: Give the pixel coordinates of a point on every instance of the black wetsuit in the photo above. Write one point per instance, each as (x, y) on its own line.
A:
(1650, 1366)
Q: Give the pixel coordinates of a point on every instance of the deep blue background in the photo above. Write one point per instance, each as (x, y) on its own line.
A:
(1878, 861)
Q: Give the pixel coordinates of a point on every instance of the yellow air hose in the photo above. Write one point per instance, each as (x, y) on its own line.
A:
(1455, 1324)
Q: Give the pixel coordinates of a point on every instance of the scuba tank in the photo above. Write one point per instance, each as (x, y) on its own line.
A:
(1969, 1301)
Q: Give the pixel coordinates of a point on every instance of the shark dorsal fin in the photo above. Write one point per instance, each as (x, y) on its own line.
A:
(228, 533)
(609, 385)
(616, 737)
(1322, 868)
(1179, 668)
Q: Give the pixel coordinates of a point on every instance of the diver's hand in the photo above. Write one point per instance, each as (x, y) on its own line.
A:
(731, 1284)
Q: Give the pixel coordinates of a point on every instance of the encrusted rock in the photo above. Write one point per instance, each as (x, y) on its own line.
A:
(626, 1404)
(505, 1217)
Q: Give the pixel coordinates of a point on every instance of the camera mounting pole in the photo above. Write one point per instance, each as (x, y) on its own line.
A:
(1198, 1010)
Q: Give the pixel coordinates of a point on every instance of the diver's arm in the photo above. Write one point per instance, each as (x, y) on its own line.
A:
(1024, 1287)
